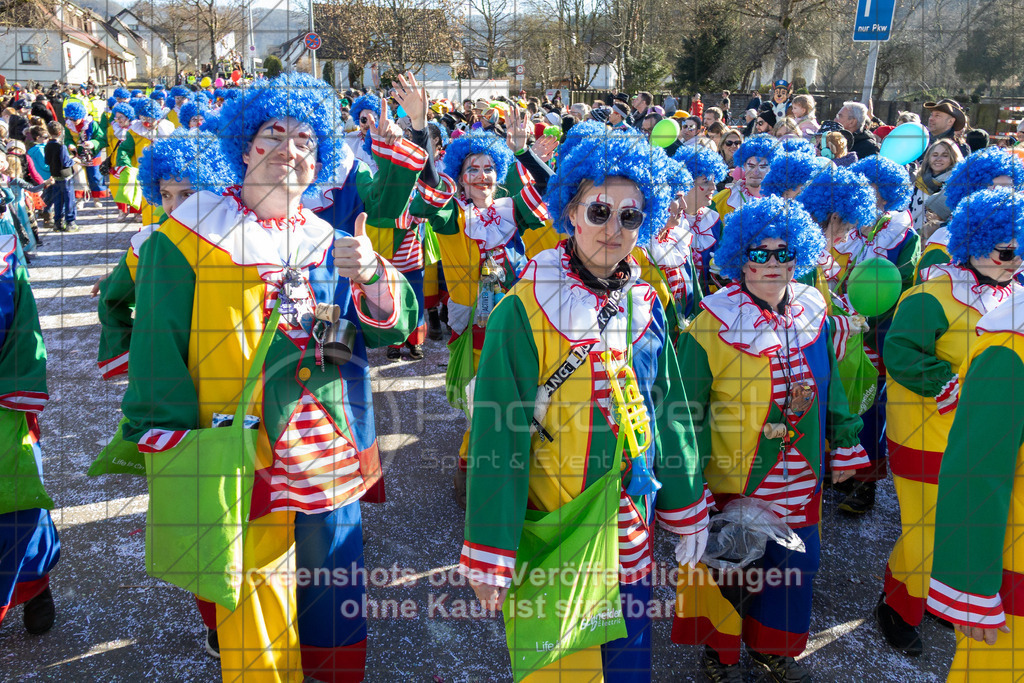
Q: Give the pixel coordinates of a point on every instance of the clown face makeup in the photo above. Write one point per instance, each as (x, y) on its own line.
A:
(479, 179)
(601, 246)
(283, 152)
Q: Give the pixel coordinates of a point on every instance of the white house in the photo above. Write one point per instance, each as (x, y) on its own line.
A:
(158, 54)
(601, 71)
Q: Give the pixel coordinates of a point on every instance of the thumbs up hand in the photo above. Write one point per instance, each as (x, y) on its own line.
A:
(354, 257)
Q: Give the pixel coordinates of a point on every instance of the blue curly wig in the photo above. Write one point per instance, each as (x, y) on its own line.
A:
(150, 108)
(219, 93)
(194, 157)
(159, 96)
(122, 93)
(478, 142)
(297, 95)
(679, 178)
(985, 219)
(581, 131)
(136, 93)
(765, 218)
(702, 161)
(891, 179)
(799, 146)
(789, 171)
(371, 102)
(190, 110)
(111, 101)
(180, 91)
(761, 146)
(839, 190)
(123, 108)
(74, 111)
(211, 122)
(626, 155)
(442, 132)
(203, 96)
(977, 171)
(232, 93)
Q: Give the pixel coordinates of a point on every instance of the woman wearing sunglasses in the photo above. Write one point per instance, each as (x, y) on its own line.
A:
(932, 334)
(365, 111)
(753, 159)
(759, 358)
(891, 237)
(707, 169)
(582, 303)
(485, 233)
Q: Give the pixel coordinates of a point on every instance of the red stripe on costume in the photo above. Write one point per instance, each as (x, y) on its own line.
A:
(1012, 593)
(25, 401)
(490, 565)
(910, 608)
(948, 397)
(535, 202)
(114, 367)
(702, 631)
(404, 153)
(914, 464)
(437, 196)
(341, 664)
(159, 440)
(772, 641)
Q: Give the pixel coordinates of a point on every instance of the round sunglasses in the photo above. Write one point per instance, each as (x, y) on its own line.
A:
(761, 256)
(599, 213)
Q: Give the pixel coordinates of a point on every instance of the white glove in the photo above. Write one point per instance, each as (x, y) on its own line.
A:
(859, 324)
(690, 548)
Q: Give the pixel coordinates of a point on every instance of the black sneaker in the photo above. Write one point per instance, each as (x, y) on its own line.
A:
(212, 644)
(939, 620)
(716, 672)
(780, 668)
(393, 353)
(460, 487)
(434, 330)
(860, 499)
(415, 351)
(898, 633)
(40, 613)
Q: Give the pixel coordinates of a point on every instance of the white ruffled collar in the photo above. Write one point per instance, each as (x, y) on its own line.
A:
(889, 236)
(965, 288)
(301, 241)
(1007, 317)
(492, 227)
(671, 249)
(162, 128)
(940, 237)
(702, 226)
(755, 331)
(571, 308)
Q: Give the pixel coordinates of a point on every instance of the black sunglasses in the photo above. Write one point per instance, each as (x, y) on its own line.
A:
(732, 143)
(761, 256)
(364, 119)
(1006, 255)
(630, 218)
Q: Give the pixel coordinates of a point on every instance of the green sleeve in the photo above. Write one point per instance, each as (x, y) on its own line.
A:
(932, 257)
(161, 393)
(909, 347)
(695, 372)
(908, 259)
(678, 465)
(498, 474)
(842, 426)
(125, 151)
(386, 193)
(403, 321)
(526, 215)
(23, 354)
(116, 303)
(68, 140)
(698, 292)
(976, 482)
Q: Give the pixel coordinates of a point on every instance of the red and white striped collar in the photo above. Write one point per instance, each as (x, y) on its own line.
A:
(752, 330)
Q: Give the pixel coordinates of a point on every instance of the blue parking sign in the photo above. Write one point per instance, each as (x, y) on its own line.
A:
(874, 19)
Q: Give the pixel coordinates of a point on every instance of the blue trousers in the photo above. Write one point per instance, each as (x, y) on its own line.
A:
(63, 195)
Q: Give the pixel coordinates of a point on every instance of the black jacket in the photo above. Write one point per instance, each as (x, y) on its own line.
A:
(865, 144)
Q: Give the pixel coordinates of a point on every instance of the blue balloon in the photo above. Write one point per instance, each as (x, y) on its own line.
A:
(905, 143)
(401, 112)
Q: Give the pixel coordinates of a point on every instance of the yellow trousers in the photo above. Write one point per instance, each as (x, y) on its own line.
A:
(910, 564)
(976, 662)
(584, 666)
(259, 640)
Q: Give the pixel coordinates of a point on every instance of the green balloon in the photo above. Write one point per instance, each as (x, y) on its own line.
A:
(664, 133)
(874, 286)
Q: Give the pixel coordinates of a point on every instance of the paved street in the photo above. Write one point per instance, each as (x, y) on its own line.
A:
(115, 624)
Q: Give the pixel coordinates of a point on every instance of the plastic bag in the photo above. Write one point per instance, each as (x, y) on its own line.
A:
(740, 533)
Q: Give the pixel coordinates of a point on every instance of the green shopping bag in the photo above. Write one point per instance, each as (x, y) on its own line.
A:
(199, 496)
(460, 369)
(127, 189)
(21, 476)
(118, 456)
(567, 566)
(431, 247)
(859, 376)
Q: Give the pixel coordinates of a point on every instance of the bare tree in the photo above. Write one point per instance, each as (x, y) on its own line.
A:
(173, 20)
(490, 32)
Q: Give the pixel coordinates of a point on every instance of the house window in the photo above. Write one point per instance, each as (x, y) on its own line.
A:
(29, 54)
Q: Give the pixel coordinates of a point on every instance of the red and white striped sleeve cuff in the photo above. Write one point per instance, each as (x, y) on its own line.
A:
(841, 335)
(687, 520)
(159, 440)
(437, 196)
(535, 203)
(493, 566)
(949, 396)
(405, 153)
(390, 281)
(850, 458)
(114, 367)
(25, 401)
(966, 609)
(525, 177)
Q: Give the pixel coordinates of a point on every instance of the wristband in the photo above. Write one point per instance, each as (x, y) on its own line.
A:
(376, 275)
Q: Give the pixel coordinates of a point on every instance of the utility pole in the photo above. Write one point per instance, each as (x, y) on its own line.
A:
(312, 56)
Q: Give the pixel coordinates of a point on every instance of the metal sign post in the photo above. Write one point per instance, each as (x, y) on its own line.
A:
(873, 24)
